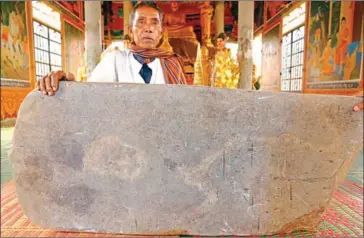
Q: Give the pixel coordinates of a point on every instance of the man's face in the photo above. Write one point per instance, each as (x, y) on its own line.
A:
(147, 28)
(220, 43)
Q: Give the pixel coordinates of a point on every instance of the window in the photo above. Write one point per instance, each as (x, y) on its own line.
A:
(293, 42)
(47, 48)
(292, 60)
(47, 39)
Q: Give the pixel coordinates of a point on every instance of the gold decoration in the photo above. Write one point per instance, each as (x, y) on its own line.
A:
(175, 23)
(165, 45)
(226, 71)
(205, 15)
(11, 100)
(202, 67)
(198, 78)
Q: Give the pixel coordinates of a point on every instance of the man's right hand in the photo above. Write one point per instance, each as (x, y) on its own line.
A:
(49, 84)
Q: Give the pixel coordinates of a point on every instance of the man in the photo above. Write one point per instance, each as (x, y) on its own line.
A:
(142, 63)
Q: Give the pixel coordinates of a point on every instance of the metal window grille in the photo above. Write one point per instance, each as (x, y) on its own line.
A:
(292, 60)
(47, 49)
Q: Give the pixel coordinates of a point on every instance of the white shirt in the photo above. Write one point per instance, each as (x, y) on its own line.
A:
(119, 65)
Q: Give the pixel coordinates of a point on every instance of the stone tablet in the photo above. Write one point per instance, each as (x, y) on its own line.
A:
(168, 159)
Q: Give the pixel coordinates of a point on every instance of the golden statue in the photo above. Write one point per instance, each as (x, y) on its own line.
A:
(198, 71)
(205, 15)
(165, 45)
(175, 23)
(81, 75)
(202, 67)
(226, 71)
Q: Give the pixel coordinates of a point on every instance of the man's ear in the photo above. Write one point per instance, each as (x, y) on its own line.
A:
(130, 30)
(162, 32)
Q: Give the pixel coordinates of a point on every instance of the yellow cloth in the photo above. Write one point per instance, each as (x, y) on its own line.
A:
(81, 74)
(226, 70)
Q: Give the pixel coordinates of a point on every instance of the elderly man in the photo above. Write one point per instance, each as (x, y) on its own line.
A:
(142, 63)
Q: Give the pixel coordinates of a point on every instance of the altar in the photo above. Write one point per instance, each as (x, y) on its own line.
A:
(188, 25)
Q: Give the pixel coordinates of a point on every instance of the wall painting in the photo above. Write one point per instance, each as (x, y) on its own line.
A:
(334, 52)
(14, 45)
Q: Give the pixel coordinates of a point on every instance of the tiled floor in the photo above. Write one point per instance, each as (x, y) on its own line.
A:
(355, 174)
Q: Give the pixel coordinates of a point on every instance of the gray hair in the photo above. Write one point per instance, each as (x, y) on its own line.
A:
(145, 4)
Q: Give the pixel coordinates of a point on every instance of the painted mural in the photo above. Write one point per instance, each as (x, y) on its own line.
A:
(334, 56)
(74, 49)
(14, 42)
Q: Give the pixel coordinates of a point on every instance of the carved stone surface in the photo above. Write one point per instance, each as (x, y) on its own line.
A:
(152, 159)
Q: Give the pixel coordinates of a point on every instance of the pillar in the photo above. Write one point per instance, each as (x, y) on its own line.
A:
(127, 8)
(93, 28)
(245, 43)
(219, 17)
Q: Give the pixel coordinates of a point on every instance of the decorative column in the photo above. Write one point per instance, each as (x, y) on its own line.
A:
(205, 17)
(245, 42)
(219, 17)
(127, 8)
(93, 41)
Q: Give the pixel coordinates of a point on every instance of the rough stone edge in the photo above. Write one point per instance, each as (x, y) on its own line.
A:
(307, 221)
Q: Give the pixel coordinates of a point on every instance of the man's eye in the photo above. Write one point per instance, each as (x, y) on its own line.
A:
(141, 21)
(155, 22)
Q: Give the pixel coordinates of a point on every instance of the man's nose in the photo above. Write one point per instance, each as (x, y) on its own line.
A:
(149, 28)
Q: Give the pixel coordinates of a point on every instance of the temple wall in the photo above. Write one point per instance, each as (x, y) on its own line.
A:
(332, 59)
(18, 63)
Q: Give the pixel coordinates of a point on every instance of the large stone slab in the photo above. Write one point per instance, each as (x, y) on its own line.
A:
(149, 159)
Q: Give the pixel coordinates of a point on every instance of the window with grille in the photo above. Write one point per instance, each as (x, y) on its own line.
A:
(293, 41)
(47, 49)
(292, 60)
(47, 39)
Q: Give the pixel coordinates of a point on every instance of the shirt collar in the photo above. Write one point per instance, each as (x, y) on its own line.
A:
(143, 60)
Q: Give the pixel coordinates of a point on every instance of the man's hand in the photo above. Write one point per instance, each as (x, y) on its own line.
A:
(48, 85)
(359, 106)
